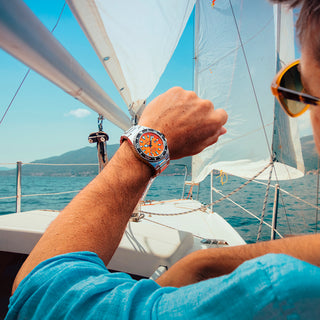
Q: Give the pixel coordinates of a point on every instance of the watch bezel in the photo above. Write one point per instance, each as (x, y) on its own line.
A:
(145, 156)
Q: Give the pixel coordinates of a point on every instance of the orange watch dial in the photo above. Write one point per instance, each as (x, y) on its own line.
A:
(151, 144)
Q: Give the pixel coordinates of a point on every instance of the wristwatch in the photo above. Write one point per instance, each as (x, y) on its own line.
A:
(150, 146)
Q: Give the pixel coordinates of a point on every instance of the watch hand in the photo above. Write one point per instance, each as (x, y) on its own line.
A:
(150, 143)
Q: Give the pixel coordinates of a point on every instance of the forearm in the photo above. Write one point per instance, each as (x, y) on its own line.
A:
(96, 218)
(210, 263)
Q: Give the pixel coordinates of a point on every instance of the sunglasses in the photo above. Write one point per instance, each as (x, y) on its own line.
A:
(288, 89)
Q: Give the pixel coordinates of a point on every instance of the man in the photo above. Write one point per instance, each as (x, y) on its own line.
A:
(64, 277)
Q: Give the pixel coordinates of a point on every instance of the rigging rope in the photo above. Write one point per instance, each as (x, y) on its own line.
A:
(265, 203)
(61, 164)
(14, 96)
(290, 194)
(238, 205)
(28, 71)
(238, 47)
(257, 102)
(285, 211)
(58, 20)
(251, 214)
(11, 197)
(48, 194)
(40, 194)
(205, 207)
(251, 80)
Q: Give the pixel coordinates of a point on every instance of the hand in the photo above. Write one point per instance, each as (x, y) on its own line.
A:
(189, 123)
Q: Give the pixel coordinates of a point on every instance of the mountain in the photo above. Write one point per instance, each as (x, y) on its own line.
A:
(86, 155)
(309, 152)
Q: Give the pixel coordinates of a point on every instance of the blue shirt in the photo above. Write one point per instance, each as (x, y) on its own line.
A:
(78, 286)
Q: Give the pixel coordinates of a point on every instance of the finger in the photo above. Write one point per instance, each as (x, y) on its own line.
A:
(214, 138)
(223, 131)
(218, 133)
(221, 116)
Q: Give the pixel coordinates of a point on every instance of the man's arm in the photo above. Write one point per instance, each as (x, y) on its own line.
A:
(96, 218)
(211, 263)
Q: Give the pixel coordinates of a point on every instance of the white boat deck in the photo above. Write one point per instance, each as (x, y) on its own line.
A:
(201, 223)
(152, 242)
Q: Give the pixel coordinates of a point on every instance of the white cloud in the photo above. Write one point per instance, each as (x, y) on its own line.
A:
(79, 113)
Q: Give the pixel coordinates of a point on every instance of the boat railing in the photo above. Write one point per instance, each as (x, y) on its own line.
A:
(272, 226)
(19, 194)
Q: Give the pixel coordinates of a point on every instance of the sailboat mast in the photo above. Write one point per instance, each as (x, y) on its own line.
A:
(196, 13)
(195, 35)
(278, 28)
(277, 10)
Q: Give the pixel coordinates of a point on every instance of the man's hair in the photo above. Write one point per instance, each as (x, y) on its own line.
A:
(308, 23)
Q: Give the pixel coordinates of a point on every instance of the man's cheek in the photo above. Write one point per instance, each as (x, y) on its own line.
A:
(315, 120)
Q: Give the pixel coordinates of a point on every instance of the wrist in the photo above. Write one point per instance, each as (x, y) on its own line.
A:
(132, 160)
(149, 146)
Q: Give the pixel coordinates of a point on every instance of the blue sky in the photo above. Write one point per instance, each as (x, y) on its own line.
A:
(44, 121)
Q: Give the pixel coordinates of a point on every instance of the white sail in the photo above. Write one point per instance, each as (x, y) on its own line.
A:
(222, 76)
(286, 141)
(134, 40)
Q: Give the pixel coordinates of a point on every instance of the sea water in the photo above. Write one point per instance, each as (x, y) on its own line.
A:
(294, 217)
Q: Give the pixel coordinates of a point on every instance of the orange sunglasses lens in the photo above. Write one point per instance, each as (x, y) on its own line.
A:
(291, 79)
